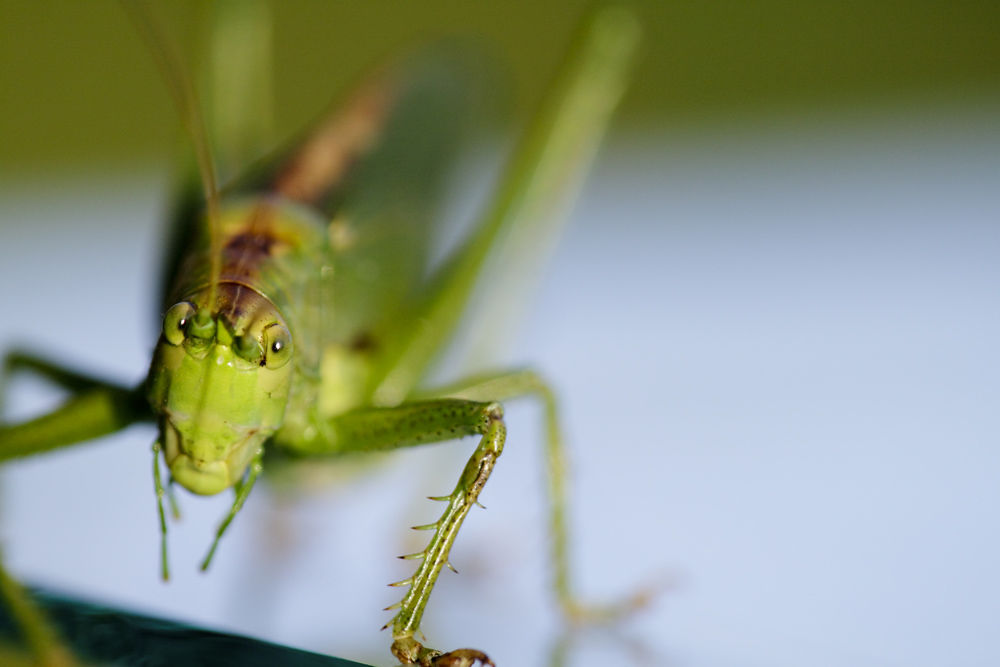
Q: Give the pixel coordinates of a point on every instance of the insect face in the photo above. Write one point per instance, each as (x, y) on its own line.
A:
(219, 384)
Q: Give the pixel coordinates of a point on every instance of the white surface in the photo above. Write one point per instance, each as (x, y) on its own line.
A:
(777, 354)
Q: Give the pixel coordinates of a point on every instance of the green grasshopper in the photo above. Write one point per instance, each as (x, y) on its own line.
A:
(303, 314)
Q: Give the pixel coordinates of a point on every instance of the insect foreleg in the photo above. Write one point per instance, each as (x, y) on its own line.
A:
(88, 415)
(379, 429)
(97, 408)
(435, 556)
(71, 380)
(527, 383)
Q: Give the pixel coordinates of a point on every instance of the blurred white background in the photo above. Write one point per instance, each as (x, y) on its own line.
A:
(776, 347)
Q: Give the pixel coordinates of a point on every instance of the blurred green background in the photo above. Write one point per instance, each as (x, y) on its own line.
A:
(77, 85)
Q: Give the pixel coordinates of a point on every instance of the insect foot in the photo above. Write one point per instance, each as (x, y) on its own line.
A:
(410, 652)
(463, 657)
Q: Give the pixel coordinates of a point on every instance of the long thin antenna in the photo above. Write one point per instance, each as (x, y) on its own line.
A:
(168, 59)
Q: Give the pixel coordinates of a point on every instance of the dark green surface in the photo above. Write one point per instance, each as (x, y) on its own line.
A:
(101, 635)
(78, 85)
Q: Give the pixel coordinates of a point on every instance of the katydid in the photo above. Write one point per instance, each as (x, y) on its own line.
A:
(304, 315)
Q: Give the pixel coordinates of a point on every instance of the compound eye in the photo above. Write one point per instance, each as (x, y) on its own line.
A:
(176, 321)
(277, 346)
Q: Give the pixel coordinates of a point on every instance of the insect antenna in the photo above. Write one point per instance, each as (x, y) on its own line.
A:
(167, 56)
